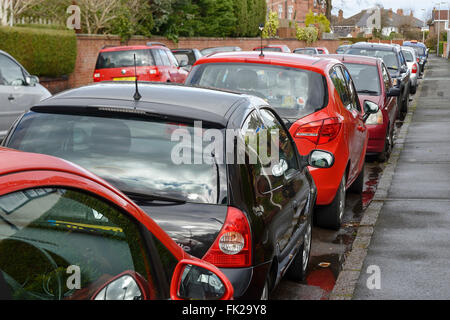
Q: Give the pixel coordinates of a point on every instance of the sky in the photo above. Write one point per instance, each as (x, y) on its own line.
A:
(351, 7)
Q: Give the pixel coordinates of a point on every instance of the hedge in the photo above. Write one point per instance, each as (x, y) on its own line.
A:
(43, 52)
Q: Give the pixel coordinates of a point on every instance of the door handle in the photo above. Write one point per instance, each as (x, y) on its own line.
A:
(11, 98)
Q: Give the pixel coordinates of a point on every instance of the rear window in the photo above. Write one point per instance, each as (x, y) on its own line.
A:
(365, 77)
(389, 57)
(123, 59)
(293, 92)
(408, 56)
(133, 155)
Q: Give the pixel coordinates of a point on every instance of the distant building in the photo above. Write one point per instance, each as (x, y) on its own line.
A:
(382, 19)
(439, 20)
(295, 10)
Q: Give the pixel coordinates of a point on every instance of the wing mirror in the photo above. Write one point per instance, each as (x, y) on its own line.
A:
(320, 159)
(182, 63)
(127, 286)
(31, 80)
(196, 279)
(403, 69)
(370, 108)
(393, 92)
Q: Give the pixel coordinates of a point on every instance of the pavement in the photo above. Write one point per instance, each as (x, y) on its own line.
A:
(401, 249)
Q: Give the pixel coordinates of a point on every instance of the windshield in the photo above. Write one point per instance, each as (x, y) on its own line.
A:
(408, 56)
(365, 77)
(123, 59)
(389, 58)
(133, 155)
(293, 92)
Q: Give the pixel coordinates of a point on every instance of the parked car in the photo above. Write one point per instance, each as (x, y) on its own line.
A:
(274, 48)
(187, 57)
(18, 91)
(341, 49)
(154, 61)
(317, 98)
(208, 51)
(413, 65)
(373, 84)
(68, 235)
(250, 218)
(307, 51)
(421, 50)
(395, 62)
(323, 50)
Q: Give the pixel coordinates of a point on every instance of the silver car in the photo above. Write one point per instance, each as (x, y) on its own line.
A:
(413, 65)
(18, 91)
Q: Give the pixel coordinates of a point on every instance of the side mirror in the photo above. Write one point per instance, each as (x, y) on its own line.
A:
(182, 63)
(195, 279)
(393, 92)
(126, 286)
(403, 69)
(370, 108)
(31, 80)
(321, 159)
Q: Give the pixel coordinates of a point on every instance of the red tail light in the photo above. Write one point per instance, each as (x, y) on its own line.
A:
(154, 72)
(320, 132)
(418, 60)
(97, 76)
(232, 248)
(414, 68)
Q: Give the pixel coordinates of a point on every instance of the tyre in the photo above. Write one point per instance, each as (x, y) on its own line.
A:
(330, 216)
(413, 89)
(297, 270)
(358, 185)
(404, 108)
(388, 146)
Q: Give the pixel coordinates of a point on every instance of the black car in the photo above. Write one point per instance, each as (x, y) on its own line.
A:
(395, 62)
(226, 204)
(187, 57)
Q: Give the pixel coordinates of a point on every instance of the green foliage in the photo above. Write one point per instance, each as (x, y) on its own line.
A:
(43, 52)
(271, 26)
(131, 21)
(321, 20)
(308, 34)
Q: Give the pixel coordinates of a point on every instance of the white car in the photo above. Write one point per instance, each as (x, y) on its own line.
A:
(413, 65)
(19, 91)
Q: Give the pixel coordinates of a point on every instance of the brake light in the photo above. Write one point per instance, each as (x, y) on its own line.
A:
(232, 248)
(153, 71)
(414, 68)
(97, 76)
(320, 132)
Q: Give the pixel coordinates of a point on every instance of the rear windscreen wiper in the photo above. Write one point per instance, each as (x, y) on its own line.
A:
(151, 197)
(368, 92)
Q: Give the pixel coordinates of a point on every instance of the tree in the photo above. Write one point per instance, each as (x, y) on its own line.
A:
(271, 26)
(321, 20)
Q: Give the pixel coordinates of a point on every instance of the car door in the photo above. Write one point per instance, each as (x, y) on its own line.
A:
(66, 244)
(15, 95)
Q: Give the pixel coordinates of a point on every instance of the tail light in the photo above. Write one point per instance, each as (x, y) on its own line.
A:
(154, 72)
(232, 248)
(97, 77)
(320, 132)
(414, 68)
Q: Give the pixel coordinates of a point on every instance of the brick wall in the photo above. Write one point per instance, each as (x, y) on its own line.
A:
(89, 46)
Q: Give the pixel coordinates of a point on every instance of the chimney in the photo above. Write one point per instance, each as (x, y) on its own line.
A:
(390, 13)
(411, 14)
(340, 16)
(400, 12)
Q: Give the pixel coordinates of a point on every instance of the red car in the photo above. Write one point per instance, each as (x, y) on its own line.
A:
(322, 50)
(66, 234)
(154, 61)
(318, 99)
(373, 83)
(274, 48)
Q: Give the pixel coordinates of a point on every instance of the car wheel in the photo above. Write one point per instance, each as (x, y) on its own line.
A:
(330, 216)
(413, 89)
(405, 106)
(297, 270)
(388, 146)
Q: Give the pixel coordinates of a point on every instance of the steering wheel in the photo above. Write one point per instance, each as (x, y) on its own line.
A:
(26, 268)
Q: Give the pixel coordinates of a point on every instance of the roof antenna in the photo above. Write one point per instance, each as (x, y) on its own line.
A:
(137, 95)
(261, 28)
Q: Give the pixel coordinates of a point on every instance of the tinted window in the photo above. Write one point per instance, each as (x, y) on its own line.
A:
(294, 93)
(340, 84)
(123, 59)
(11, 73)
(188, 57)
(135, 156)
(47, 233)
(389, 57)
(365, 77)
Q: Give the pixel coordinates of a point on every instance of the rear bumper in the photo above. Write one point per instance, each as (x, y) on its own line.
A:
(248, 283)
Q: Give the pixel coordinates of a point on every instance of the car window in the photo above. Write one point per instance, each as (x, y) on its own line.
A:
(157, 57)
(292, 92)
(408, 56)
(340, 84)
(389, 57)
(123, 59)
(365, 77)
(386, 78)
(164, 58)
(11, 74)
(352, 90)
(145, 157)
(172, 59)
(187, 57)
(63, 244)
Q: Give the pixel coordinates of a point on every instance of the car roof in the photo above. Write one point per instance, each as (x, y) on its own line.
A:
(354, 58)
(316, 64)
(137, 47)
(209, 105)
(377, 46)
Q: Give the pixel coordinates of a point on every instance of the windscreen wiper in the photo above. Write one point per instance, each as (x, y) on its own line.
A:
(368, 92)
(136, 196)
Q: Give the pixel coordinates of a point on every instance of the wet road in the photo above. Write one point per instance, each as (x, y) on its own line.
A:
(329, 248)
